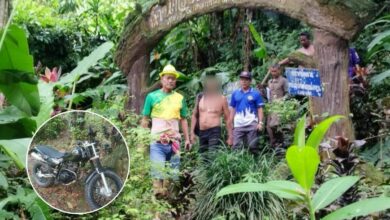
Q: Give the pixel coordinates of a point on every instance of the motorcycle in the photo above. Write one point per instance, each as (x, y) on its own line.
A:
(52, 167)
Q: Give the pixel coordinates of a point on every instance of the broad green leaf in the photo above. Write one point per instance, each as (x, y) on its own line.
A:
(299, 134)
(23, 95)
(290, 191)
(46, 210)
(15, 59)
(377, 22)
(303, 163)
(377, 79)
(87, 76)
(5, 162)
(22, 128)
(286, 189)
(16, 76)
(331, 190)
(260, 53)
(283, 189)
(87, 62)
(379, 38)
(76, 98)
(7, 215)
(36, 212)
(3, 181)
(11, 114)
(17, 150)
(320, 130)
(26, 196)
(47, 101)
(361, 208)
(14, 54)
(183, 77)
(9, 198)
(242, 188)
(115, 76)
(256, 35)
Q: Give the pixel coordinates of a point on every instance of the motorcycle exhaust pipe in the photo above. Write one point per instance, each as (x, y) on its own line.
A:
(43, 175)
(37, 157)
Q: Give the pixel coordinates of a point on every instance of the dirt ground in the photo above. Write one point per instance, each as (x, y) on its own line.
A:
(71, 198)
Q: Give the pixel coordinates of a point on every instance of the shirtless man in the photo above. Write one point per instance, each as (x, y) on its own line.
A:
(278, 88)
(307, 48)
(209, 108)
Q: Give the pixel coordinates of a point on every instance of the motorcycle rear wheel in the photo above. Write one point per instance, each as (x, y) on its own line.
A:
(41, 181)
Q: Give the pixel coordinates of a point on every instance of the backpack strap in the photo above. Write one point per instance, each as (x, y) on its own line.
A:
(198, 98)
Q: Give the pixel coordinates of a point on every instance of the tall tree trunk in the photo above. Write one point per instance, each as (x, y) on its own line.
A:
(4, 12)
(331, 53)
(247, 46)
(137, 82)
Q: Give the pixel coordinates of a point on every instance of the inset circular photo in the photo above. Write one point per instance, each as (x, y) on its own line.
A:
(78, 162)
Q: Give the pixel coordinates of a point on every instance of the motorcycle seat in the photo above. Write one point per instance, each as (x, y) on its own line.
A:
(49, 151)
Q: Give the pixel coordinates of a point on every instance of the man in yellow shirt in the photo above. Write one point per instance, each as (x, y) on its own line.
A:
(166, 108)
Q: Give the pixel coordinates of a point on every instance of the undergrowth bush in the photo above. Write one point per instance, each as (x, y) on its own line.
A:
(230, 167)
(51, 129)
(136, 201)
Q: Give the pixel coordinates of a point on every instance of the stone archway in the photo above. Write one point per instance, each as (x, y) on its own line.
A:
(334, 25)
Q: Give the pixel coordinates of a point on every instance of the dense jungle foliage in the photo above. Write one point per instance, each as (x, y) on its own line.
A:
(66, 61)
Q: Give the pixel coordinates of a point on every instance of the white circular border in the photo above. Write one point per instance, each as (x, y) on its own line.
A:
(128, 155)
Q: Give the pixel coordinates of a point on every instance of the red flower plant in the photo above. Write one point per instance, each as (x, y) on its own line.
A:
(51, 75)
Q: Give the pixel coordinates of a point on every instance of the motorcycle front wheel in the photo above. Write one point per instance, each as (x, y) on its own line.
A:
(38, 170)
(95, 191)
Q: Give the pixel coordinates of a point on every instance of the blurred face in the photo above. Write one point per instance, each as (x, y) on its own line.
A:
(212, 86)
(168, 81)
(304, 41)
(245, 83)
(275, 72)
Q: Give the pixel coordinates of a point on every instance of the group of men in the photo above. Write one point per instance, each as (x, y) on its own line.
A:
(243, 116)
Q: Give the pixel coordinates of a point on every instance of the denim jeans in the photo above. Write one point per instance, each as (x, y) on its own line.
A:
(160, 154)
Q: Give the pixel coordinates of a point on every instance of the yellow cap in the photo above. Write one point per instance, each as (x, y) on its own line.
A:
(170, 69)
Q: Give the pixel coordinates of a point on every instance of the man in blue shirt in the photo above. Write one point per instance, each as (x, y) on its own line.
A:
(246, 114)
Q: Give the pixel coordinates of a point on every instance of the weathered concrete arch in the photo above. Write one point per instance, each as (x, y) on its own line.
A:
(161, 19)
(334, 26)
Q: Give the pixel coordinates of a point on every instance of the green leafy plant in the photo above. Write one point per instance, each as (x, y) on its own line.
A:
(379, 45)
(17, 199)
(18, 82)
(286, 109)
(261, 51)
(19, 120)
(82, 68)
(137, 200)
(229, 167)
(51, 129)
(26, 198)
(303, 160)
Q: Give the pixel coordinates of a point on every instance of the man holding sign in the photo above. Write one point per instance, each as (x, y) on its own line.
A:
(306, 49)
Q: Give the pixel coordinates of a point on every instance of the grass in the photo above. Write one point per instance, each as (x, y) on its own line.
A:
(228, 167)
